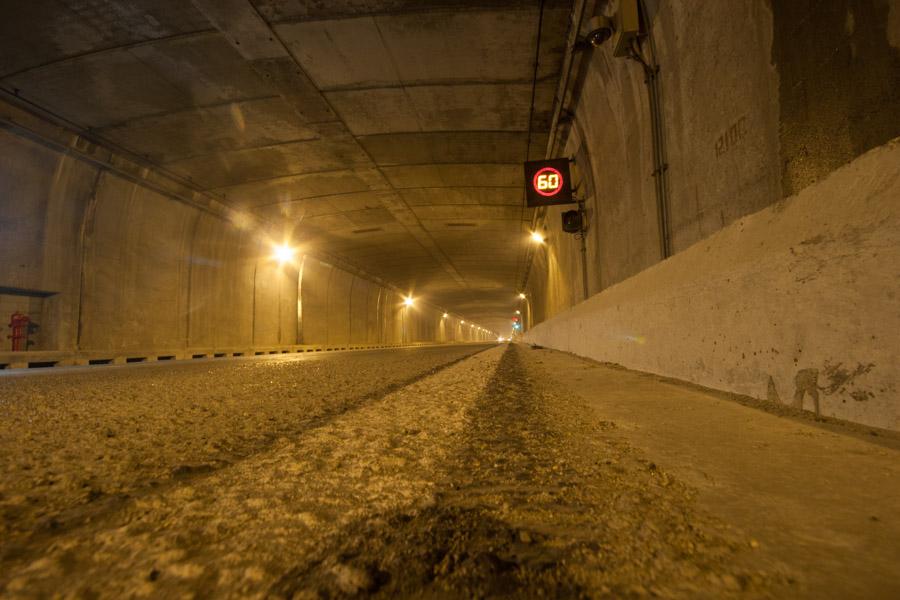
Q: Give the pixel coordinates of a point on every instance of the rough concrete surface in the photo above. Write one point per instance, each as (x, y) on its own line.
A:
(820, 496)
(759, 99)
(839, 75)
(495, 476)
(796, 303)
(83, 441)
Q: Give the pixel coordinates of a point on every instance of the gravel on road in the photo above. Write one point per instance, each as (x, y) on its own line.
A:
(82, 441)
(479, 480)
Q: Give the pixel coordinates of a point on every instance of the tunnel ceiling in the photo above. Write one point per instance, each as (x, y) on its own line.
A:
(389, 133)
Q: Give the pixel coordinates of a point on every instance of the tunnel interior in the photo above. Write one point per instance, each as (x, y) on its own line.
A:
(320, 218)
(383, 146)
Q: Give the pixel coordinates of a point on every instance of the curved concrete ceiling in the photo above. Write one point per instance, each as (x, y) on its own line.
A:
(387, 132)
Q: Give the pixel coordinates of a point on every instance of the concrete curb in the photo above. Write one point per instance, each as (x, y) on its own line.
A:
(45, 359)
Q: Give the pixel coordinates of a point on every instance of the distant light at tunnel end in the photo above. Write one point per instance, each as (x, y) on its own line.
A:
(408, 301)
(445, 315)
(537, 237)
(522, 295)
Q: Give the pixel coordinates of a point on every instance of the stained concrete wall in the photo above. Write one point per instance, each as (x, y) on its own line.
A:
(43, 197)
(130, 268)
(338, 314)
(135, 269)
(839, 68)
(117, 267)
(223, 272)
(342, 309)
(795, 303)
(314, 282)
(759, 100)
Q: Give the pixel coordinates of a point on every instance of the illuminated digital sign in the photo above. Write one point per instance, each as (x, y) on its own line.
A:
(548, 182)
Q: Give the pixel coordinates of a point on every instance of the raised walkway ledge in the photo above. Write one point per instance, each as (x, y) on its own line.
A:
(795, 304)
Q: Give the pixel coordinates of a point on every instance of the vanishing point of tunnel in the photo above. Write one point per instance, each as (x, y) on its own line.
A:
(322, 299)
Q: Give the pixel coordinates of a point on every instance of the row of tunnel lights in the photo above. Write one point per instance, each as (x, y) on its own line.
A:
(537, 238)
(284, 253)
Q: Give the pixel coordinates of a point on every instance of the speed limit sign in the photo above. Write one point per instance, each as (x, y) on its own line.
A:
(548, 182)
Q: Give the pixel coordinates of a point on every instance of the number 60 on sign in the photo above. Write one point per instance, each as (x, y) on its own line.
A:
(548, 182)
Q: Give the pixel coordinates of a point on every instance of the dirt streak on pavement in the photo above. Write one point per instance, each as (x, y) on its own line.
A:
(541, 501)
(77, 444)
(475, 481)
(235, 531)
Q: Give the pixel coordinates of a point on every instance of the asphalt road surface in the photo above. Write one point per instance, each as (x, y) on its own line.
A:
(455, 471)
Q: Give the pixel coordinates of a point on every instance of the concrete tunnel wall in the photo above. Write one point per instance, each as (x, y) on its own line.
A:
(339, 308)
(739, 138)
(126, 269)
(797, 303)
(755, 106)
(757, 103)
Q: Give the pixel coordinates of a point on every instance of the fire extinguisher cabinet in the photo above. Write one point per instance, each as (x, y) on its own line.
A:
(18, 325)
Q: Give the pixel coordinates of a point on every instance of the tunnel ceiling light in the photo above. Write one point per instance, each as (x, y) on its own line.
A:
(445, 315)
(536, 237)
(462, 322)
(408, 301)
(521, 295)
(283, 253)
(518, 312)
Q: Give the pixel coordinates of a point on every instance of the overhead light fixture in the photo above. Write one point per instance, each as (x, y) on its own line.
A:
(518, 312)
(536, 237)
(445, 316)
(283, 253)
(522, 295)
(408, 301)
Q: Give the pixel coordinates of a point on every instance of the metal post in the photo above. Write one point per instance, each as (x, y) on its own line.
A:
(583, 234)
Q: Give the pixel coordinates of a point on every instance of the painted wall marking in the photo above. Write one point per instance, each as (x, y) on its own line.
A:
(732, 136)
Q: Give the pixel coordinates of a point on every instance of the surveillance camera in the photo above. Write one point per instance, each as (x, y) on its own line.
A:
(600, 29)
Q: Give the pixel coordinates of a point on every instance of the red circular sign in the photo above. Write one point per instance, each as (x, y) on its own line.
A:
(547, 182)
